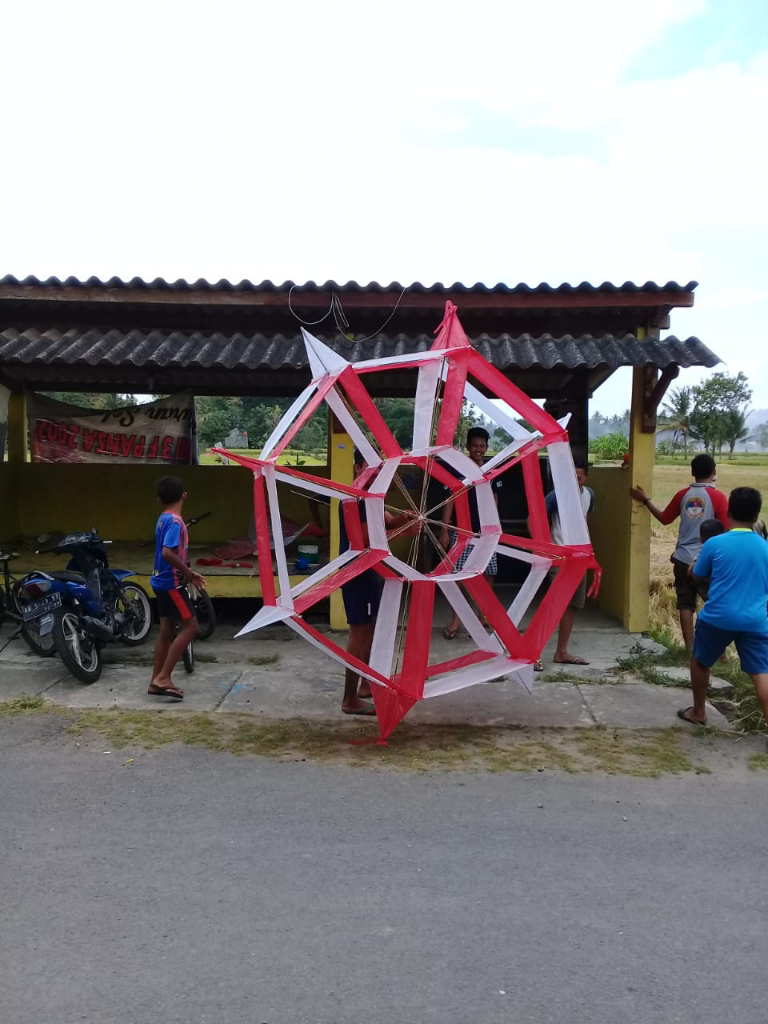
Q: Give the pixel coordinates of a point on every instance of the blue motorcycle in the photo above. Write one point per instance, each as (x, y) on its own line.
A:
(86, 606)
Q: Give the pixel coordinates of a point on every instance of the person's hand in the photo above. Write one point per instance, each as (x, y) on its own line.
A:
(197, 581)
(638, 493)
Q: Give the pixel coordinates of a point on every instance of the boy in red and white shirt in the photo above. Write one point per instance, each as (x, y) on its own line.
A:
(693, 505)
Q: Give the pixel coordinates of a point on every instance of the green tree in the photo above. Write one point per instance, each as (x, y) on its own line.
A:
(609, 446)
(735, 428)
(677, 415)
(714, 400)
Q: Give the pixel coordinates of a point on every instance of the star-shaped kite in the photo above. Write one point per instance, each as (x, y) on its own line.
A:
(400, 669)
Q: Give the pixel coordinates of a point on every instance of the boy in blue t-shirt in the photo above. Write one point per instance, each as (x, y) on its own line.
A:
(170, 577)
(737, 565)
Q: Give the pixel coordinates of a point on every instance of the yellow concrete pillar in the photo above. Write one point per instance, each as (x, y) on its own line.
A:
(642, 454)
(341, 465)
(18, 447)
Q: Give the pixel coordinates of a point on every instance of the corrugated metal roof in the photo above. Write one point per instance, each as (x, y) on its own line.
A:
(159, 284)
(196, 350)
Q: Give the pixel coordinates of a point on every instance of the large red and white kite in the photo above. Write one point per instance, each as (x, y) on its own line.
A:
(400, 668)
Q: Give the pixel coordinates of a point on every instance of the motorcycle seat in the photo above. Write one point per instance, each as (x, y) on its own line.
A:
(67, 577)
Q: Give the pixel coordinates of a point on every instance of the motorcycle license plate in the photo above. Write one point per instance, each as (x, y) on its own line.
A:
(41, 607)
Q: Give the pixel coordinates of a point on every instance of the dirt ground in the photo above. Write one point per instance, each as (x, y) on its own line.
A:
(668, 479)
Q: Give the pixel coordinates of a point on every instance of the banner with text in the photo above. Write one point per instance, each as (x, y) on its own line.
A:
(164, 431)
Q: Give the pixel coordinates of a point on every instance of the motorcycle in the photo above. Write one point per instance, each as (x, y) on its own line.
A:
(87, 605)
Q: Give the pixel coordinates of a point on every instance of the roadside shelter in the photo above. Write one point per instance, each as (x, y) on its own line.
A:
(558, 344)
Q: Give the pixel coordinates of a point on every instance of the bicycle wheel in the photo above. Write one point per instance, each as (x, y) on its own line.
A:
(189, 657)
(43, 646)
(206, 614)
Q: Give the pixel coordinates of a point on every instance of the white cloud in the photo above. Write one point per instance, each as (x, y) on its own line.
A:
(311, 141)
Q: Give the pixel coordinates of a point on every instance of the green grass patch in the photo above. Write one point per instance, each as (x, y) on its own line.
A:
(758, 763)
(263, 659)
(24, 704)
(410, 748)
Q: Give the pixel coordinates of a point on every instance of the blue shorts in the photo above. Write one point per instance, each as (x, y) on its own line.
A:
(710, 642)
(362, 597)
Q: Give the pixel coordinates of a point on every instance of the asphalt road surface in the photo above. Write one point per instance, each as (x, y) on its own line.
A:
(198, 887)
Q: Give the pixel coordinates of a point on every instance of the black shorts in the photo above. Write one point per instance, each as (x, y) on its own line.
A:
(362, 597)
(175, 605)
(685, 588)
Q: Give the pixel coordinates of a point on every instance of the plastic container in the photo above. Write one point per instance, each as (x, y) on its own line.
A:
(311, 552)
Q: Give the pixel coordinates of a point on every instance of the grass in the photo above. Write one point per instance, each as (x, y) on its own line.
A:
(411, 748)
(287, 459)
(758, 763)
(263, 659)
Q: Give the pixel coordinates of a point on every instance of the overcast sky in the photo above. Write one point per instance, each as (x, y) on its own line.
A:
(419, 141)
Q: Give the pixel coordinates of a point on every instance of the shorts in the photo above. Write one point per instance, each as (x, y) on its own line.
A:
(175, 605)
(685, 588)
(579, 598)
(362, 597)
(710, 642)
(491, 569)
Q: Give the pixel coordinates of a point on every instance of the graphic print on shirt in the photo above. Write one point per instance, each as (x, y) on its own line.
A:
(694, 507)
(170, 532)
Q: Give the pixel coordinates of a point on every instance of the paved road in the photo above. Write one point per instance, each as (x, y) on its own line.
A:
(198, 887)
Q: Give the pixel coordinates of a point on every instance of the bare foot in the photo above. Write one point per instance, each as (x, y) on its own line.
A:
(364, 691)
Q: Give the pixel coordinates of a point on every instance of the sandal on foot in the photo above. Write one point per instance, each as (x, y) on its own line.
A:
(451, 634)
(166, 691)
(683, 714)
(575, 660)
(369, 709)
(538, 666)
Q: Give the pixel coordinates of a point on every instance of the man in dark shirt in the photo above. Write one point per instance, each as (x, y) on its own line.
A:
(477, 447)
(361, 597)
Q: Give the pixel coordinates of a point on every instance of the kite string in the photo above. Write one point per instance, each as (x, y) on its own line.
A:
(309, 323)
(339, 313)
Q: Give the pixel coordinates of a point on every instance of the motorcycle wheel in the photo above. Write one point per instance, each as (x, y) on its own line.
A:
(189, 657)
(79, 651)
(43, 646)
(206, 615)
(137, 602)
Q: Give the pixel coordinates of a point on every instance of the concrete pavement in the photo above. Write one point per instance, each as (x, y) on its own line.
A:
(277, 675)
(199, 888)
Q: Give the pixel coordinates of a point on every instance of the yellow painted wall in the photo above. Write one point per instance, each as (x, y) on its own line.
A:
(120, 500)
(9, 515)
(609, 530)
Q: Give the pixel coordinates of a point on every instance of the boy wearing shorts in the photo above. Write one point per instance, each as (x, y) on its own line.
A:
(737, 564)
(170, 577)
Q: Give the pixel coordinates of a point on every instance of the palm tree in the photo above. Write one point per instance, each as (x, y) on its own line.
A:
(735, 427)
(677, 412)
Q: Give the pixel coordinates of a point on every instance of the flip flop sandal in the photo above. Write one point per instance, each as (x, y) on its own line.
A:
(572, 661)
(538, 666)
(683, 715)
(369, 709)
(451, 634)
(166, 691)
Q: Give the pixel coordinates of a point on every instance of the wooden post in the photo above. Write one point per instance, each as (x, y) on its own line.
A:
(18, 447)
(578, 425)
(341, 463)
(642, 453)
